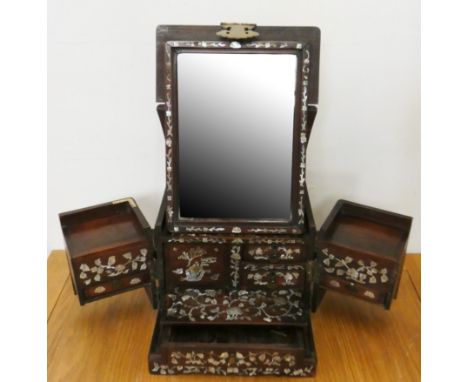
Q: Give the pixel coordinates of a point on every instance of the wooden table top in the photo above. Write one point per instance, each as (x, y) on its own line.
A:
(108, 340)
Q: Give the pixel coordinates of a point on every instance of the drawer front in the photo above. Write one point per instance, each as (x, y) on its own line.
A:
(233, 350)
(101, 268)
(272, 276)
(235, 306)
(358, 269)
(235, 361)
(119, 285)
(274, 252)
(356, 290)
(196, 264)
(239, 363)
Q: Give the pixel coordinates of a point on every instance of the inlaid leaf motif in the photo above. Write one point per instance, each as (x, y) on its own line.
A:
(111, 268)
(369, 294)
(84, 267)
(360, 273)
(135, 280)
(127, 255)
(241, 305)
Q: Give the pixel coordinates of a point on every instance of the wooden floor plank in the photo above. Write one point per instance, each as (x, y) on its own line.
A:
(57, 275)
(108, 340)
(413, 266)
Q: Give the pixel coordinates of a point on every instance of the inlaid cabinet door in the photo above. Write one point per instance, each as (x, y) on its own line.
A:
(109, 250)
(196, 264)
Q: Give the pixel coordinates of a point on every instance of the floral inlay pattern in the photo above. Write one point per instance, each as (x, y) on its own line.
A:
(164, 369)
(273, 275)
(234, 264)
(305, 68)
(196, 239)
(236, 305)
(233, 360)
(102, 269)
(198, 265)
(268, 230)
(283, 253)
(356, 271)
(204, 229)
(225, 363)
(207, 238)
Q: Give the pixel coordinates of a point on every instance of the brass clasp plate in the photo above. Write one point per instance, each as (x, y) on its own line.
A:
(234, 31)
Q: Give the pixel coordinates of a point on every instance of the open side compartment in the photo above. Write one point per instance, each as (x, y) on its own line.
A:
(109, 249)
(360, 252)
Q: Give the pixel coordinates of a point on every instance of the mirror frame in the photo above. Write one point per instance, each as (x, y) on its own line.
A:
(303, 42)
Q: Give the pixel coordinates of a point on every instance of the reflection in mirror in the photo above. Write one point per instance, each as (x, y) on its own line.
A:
(235, 126)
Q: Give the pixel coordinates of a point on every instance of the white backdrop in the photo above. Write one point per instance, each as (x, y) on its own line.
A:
(105, 141)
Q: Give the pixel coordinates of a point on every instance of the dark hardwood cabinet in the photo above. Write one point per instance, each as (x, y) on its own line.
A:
(234, 262)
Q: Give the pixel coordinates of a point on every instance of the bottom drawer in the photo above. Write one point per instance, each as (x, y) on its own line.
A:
(116, 286)
(232, 350)
(356, 290)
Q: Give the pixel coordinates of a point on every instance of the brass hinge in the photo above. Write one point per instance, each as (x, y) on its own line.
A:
(237, 31)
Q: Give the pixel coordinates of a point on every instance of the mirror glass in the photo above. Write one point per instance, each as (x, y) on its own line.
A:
(235, 126)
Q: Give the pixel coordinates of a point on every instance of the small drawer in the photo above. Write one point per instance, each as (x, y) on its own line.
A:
(196, 264)
(272, 276)
(274, 252)
(116, 286)
(356, 290)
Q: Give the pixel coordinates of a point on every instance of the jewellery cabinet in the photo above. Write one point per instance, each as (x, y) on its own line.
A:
(234, 263)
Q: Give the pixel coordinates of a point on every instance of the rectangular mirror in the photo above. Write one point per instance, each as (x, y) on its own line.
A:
(236, 117)
(235, 129)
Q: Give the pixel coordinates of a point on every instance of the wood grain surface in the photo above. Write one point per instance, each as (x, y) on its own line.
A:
(108, 340)
(57, 273)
